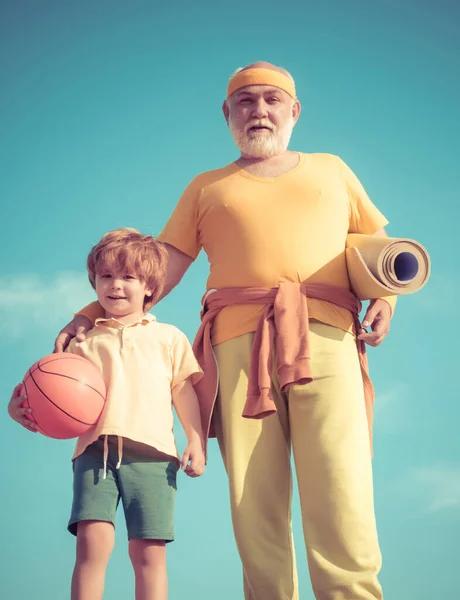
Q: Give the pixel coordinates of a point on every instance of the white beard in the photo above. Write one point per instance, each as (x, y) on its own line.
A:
(263, 144)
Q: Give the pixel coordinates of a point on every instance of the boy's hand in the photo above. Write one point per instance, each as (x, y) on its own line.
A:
(195, 455)
(78, 327)
(17, 412)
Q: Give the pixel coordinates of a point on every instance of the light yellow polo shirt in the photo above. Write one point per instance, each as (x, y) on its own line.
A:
(141, 363)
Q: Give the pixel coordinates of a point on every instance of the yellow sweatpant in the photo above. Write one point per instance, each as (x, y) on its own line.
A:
(324, 422)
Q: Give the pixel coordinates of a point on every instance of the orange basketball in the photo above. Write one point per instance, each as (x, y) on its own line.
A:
(66, 394)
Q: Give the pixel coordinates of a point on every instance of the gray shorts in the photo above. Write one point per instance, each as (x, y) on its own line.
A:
(145, 483)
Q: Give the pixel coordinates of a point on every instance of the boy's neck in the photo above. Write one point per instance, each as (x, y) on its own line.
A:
(128, 319)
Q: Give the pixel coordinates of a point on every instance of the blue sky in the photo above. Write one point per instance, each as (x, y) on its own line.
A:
(107, 110)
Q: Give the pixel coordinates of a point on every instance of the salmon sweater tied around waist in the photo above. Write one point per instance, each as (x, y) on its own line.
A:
(286, 315)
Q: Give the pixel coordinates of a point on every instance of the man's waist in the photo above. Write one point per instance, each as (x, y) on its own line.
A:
(286, 293)
(236, 320)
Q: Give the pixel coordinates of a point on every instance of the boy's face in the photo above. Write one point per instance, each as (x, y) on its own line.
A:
(122, 295)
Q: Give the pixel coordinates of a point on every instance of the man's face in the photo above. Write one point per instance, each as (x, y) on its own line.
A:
(261, 119)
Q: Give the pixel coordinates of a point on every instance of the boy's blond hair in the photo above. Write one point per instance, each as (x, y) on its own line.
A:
(128, 249)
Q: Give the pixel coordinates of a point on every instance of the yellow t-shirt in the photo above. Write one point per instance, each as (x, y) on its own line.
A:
(141, 363)
(261, 231)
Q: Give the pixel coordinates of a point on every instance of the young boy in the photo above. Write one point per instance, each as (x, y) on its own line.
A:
(131, 453)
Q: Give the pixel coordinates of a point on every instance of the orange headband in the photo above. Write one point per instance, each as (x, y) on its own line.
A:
(261, 76)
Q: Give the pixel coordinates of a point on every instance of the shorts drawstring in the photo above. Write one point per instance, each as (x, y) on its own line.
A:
(106, 453)
(120, 451)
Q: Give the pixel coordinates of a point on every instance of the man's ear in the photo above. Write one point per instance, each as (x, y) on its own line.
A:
(296, 110)
(226, 110)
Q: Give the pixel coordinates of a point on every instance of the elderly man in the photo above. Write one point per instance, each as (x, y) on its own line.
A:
(278, 220)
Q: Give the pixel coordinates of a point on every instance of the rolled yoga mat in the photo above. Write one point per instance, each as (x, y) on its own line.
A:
(381, 266)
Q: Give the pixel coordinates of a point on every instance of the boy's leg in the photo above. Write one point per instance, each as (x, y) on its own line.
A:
(148, 492)
(92, 520)
(333, 462)
(256, 455)
(95, 541)
(149, 563)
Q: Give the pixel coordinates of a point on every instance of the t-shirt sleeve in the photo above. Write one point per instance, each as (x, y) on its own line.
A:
(181, 231)
(184, 363)
(92, 312)
(364, 215)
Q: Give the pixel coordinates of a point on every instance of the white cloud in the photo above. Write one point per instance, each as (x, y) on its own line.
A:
(390, 398)
(29, 303)
(439, 485)
(390, 408)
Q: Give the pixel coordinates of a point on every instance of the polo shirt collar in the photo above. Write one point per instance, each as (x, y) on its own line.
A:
(145, 320)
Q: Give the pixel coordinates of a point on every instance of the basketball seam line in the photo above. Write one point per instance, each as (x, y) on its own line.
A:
(59, 356)
(39, 368)
(58, 407)
(28, 403)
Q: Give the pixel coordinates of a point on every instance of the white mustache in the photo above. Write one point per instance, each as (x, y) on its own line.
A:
(259, 123)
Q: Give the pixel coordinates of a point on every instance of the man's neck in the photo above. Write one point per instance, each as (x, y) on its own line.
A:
(269, 167)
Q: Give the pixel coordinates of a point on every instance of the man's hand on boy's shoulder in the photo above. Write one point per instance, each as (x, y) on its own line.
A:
(193, 459)
(77, 328)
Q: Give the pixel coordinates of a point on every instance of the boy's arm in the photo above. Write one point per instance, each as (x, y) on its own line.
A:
(178, 263)
(185, 402)
(17, 411)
